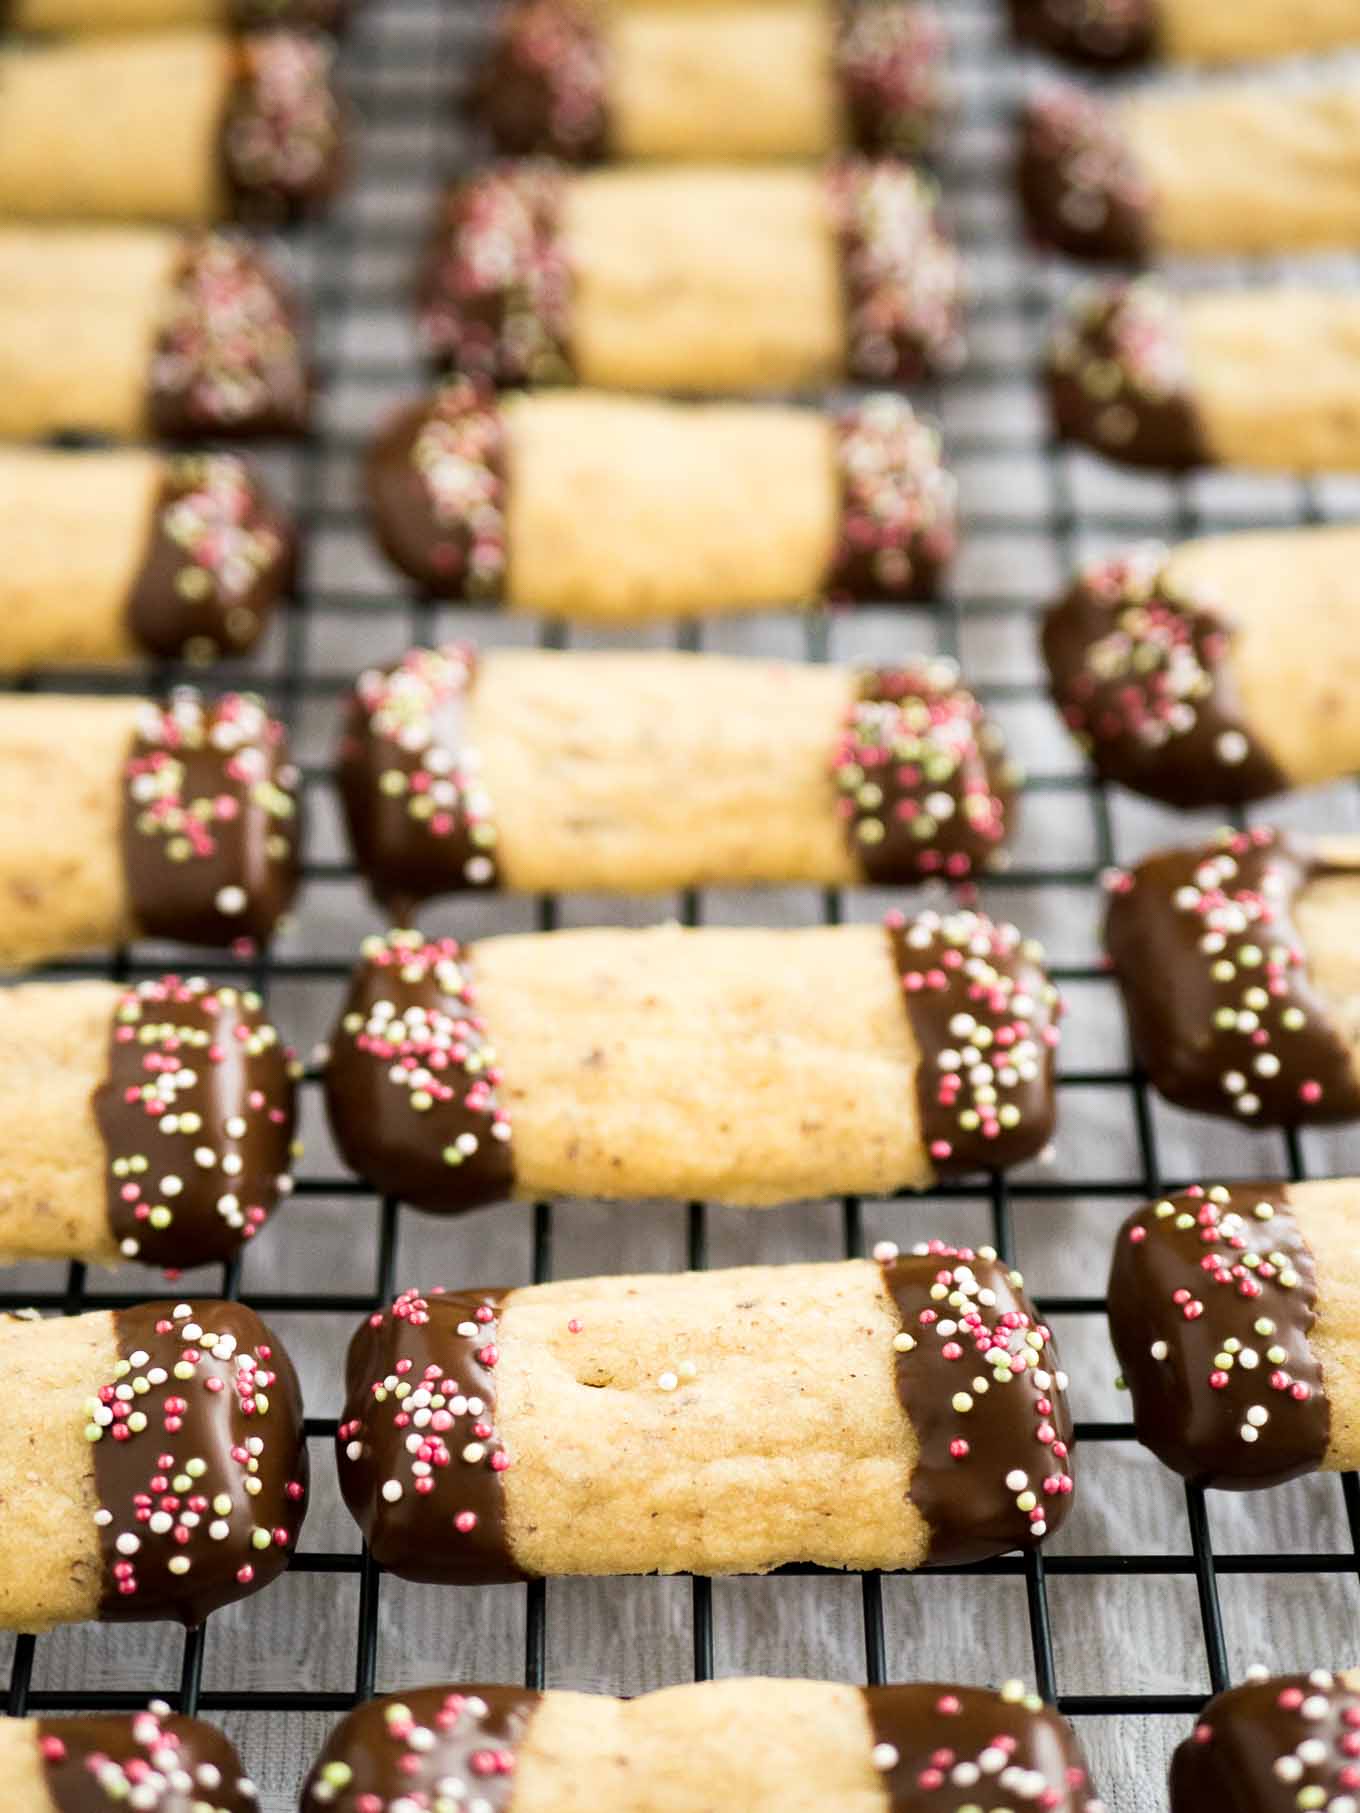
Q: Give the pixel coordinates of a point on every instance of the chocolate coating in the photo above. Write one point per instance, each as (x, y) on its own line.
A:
(218, 559)
(419, 1458)
(419, 820)
(899, 504)
(282, 143)
(405, 1747)
(210, 821)
(1081, 187)
(1119, 381)
(1104, 34)
(1213, 1297)
(411, 1079)
(436, 487)
(891, 62)
(205, 1061)
(1141, 670)
(172, 1764)
(544, 87)
(985, 1018)
(1222, 1012)
(201, 1478)
(978, 1377)
(228, 359)
(925, 787)
(1272, 1746)
(325, 15)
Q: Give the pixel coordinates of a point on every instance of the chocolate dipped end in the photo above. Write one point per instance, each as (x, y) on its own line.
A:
(1140, 669)
(200, 1464)
(898, 527)
(211, 833)
(925, 787)
(493, 296)
(282, 143)
(1272, 1746)
(1081, 188)
(411, 1079)
(1223, 1014)
(320, 15)
(205, 1063)
(460, 1742)
(979, 1380)
(994, 1738)
(420, 822)
(1101, 34)
(1212, 1300)
(219, 557)
(420, 1461)
(892, 66)
(543, 88)
(984, 1016)
(154, 1759)
(437, 492)
(228, 359)
(901, 276)
(1119, 381)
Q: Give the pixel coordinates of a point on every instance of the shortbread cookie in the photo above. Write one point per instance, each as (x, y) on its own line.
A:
(152, 1121)
(1238, 962)
(1275, 1745)
(123, 819)
(130, 331)
(620, 510)
(704, 279)
(764, 1746)
(858, 1415)
(1219, 673)
(688, 1063)
(187, 127)
(112, 557)
(1239, 168)
(1118, 33)
(1265, 378)
(748, 79)
(156, 1761)
(161, 15)
(536, 771)
(154, 1462)
(1235, 1313)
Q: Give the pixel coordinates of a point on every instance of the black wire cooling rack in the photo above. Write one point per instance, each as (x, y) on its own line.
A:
(1029, 513)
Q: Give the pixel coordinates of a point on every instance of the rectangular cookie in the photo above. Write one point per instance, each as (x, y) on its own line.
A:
(721, 83)
(708, 279)
(160, 15)
(93, 1078)
(537, 771)
(889, 1413)
(620, 510)
(117, 555)
(761, 1746)
(1277, 1743)
(740, 1066)
(136, 331)
(148, 1760)
(1106, 34)
(154, 1460)
(1218, 673)
(122, 819)
(1266, 378)
(187, 127)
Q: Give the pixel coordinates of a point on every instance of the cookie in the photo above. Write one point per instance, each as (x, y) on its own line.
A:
(532, 770)
(154, 1760)
(1115, 34)
(150, 1121)
(135, 331)
(155, 1460)
(1237, 963)
(1264, 378)
(1218, 673)
(527, 1066)
(186, 127)
(1276, 1743)
(708, 1422)
(117, 556)
(767, 1746)
(160, 15)
(123, 819)
(621, 510)
(709, 280)
(720, 84)
(1234, 169)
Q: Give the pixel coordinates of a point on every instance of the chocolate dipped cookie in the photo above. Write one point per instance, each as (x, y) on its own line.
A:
(155, 1761)
(1273, 1745)
(107, 16)
(1114, 34)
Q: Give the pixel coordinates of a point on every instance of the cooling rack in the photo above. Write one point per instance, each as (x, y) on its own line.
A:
(1153, 1595)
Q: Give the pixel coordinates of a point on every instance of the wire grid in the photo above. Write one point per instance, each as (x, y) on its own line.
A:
(1030, 511)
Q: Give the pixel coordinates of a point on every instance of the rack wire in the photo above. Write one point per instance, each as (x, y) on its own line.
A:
(1030, 511)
